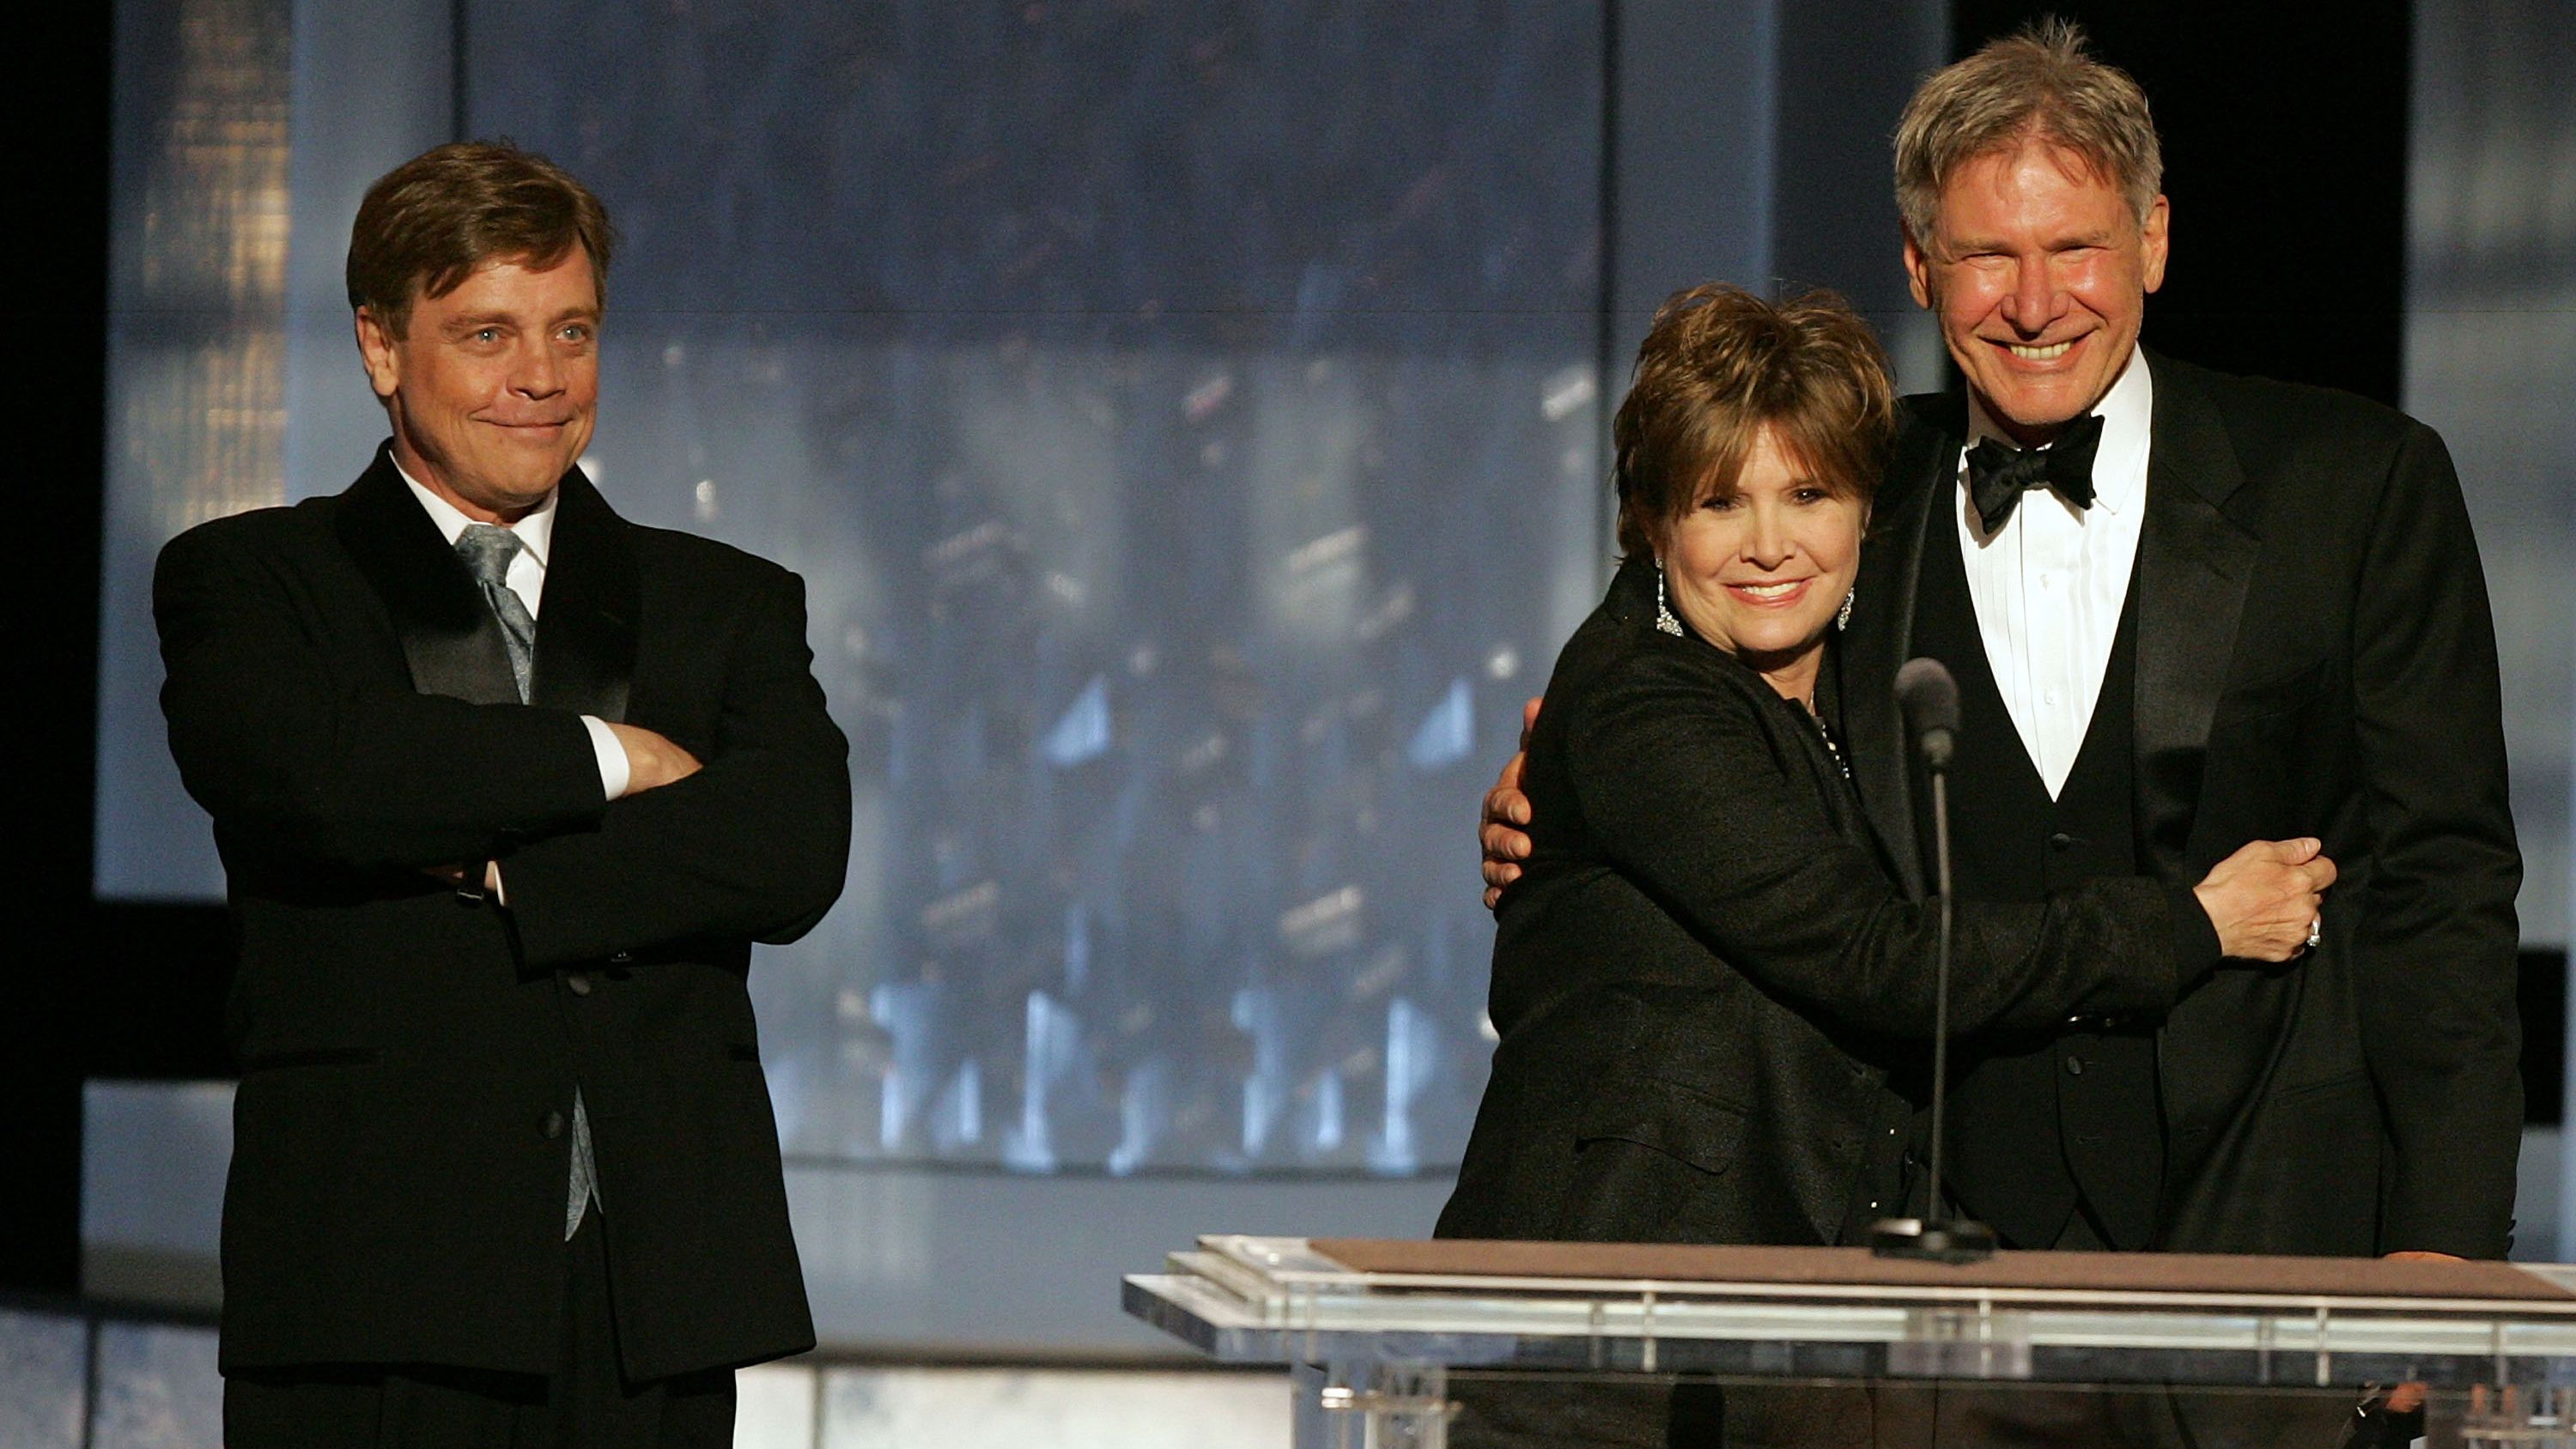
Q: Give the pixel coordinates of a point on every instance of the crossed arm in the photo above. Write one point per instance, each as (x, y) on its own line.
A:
(303, 757)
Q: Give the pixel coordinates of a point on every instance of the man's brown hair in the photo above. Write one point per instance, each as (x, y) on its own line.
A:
(2040, 83)
(427, 224)
(1719, 365)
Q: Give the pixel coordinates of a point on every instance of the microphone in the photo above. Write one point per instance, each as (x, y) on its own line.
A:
(1929, 698)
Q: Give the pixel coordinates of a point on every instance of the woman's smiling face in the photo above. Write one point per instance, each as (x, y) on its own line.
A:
(1760, 571)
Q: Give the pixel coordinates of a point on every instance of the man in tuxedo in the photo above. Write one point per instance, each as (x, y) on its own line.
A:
(2186, 610)
(505, 788)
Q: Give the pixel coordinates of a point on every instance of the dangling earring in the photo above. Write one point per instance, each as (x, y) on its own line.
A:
(1842, 616)
(1664, 619)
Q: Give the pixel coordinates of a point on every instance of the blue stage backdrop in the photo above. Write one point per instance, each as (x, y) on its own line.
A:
(1184, 418)
(1187, 419)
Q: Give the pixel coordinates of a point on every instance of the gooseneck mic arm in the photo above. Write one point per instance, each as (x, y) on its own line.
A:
(1929, 698)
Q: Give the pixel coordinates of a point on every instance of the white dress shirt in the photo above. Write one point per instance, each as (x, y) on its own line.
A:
(527, 579)
(2048, 586)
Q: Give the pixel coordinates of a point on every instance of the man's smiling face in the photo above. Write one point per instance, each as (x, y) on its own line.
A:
(493, 387)
(2039, 273)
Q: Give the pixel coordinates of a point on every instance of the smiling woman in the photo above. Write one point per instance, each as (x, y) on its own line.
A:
(1757, 569)
(1747, 452)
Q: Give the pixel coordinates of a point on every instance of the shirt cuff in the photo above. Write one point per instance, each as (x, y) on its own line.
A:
(614, 771)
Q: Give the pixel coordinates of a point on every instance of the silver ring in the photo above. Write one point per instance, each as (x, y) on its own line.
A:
(2316, 931)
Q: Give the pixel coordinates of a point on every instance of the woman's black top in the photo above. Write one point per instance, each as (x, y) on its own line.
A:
(1705, 976)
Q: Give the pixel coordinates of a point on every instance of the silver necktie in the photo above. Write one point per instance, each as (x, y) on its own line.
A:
(487, 549)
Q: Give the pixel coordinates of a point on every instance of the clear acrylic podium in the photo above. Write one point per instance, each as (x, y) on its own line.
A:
(1379, 1334)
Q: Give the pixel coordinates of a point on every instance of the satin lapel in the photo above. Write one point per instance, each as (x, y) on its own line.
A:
(451, 642)
(2194, 563)
(1882, 629)
(586, 632)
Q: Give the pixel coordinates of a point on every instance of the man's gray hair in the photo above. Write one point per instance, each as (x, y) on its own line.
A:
(2040, 83)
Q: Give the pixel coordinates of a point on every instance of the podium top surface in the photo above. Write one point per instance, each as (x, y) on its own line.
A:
(2175, 1274)
(1842, 1314)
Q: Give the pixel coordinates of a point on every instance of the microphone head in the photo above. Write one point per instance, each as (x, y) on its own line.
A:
(1928, 695)
(1930, 699)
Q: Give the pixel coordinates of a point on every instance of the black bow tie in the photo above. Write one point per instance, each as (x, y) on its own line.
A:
(1998, 472)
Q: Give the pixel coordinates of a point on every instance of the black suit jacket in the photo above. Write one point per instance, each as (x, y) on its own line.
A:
(2315, 657)
(1704, 973)
(409, 1058)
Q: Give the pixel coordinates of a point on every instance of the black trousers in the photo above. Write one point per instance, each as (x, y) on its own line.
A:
(585, 1404)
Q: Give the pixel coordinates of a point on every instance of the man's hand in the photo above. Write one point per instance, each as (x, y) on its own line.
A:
(651, 759)
(1507, 810)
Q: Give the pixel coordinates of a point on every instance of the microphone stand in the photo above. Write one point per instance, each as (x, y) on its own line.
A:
(1934, 1236)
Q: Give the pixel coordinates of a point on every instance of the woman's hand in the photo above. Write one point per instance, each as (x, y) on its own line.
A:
(1504, 829)
(2264, 899)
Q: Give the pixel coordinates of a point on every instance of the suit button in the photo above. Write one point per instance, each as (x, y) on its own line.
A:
(2074, 1066)
(554, 1125)
(2061, 841)
(622, 957)
(579, 981)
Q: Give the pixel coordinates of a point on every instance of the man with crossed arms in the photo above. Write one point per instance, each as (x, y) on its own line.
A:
(505, 788)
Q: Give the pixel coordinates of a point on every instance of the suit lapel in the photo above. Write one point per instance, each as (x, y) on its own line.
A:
(450, 641)
(452, 644)
(2194, 563)
(1882, 626)
(586, 632)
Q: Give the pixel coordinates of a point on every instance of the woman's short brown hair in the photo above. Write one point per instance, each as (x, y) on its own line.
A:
(1719, 365)
(428, 223)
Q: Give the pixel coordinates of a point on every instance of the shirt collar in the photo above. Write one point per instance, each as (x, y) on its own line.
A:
(2128, 415)
(536, 530)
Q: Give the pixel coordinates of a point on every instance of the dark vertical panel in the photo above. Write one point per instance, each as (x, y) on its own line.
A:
(95, 990)
(460, 95)
(2285, 158)
(2540, 991)
(1847, 67)
(57, 462)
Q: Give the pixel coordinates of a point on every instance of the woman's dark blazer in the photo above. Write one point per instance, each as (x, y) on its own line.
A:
(1704, 974)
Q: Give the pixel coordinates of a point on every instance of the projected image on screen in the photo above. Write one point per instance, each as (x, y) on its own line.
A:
(1184, 419)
